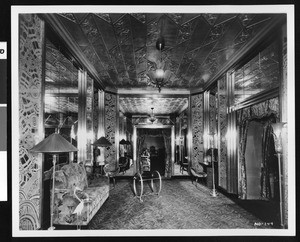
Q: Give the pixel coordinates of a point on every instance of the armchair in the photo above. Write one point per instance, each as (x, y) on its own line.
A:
(197, 172)
(123, 164)
(111, 171)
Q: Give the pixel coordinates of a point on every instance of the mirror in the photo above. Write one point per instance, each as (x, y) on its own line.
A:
(258, 75)
(61, 97)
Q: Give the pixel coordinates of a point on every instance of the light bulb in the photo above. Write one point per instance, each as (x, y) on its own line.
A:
(160, 73)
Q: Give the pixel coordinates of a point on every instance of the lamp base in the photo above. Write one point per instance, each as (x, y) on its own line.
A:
(214, 193)
(51, 228)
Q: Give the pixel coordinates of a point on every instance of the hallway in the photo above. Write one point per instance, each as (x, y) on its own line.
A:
(180, 205)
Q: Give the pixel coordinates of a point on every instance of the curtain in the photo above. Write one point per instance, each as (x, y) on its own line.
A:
(243, 131)
(267, 160)
(140, 143)
(267, 163)
(167, 142)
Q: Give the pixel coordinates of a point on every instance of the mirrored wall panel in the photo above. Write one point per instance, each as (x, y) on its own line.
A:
(61, 96)
(258, 75)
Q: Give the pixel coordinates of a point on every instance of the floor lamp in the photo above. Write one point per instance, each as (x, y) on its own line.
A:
(212, 147)
(277, 130)
(53, 144)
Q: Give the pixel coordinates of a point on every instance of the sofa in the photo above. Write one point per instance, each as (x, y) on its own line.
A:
(72, 187)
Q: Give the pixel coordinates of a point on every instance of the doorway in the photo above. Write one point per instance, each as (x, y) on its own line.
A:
(157, 150)
(253, 159)
(159, 141)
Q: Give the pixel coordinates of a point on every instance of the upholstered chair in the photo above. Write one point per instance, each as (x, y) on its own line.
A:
(197, 172)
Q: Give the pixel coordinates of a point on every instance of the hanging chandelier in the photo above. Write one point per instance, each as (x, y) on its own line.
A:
(160, 76)
(152, 118)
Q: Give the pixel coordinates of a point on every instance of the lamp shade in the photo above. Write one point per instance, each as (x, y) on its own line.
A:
(123, 142)
(277, 129)
(54, 143)
(102, 142)
(212, 140)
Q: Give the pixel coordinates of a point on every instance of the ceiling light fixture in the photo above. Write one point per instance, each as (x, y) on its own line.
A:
(159, 77)
(152, 118)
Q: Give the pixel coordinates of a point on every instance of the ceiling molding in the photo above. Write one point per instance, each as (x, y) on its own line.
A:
(258, 98)
(154, 91)
(61, 31)
(153, 126)
(196, 91)
(61, 94)
(263, 36)
(111, 90)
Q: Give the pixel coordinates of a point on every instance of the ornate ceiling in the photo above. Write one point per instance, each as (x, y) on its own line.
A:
(161, 105)
(121, 46)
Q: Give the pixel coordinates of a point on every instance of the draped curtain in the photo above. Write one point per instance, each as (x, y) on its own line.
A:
(140, 143)
(267, 159)
(167, 142)
(243, 131)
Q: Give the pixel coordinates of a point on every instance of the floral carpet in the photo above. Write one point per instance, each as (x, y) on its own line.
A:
(180, 205)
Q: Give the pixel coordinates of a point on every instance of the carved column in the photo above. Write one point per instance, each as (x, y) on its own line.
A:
(82, 134)
(197, 128)
(222, 127)
(111, 127)
(101, 114)
(31, 130)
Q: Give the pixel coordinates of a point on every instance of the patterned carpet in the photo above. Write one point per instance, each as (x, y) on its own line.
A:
(180, 205)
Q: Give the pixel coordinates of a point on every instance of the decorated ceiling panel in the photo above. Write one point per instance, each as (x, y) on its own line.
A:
(121, 47)
(143, 105)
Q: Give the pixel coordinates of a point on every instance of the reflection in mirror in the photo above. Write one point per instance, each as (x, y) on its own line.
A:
(61, 97)
(60, 112)
(125, 145)
(89, 120)
(181, 148)
(168, 111)
(258, 75)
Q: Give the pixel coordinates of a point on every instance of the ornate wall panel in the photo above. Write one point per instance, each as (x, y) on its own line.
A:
(222, 122)
(95, 113)
(197, 128)
(30, 84)
(89, 118)
(212, 113)
(111, 126)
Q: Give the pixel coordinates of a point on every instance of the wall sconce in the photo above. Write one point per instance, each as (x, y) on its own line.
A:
(277, 130)
(123, 149)
(212, 137)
